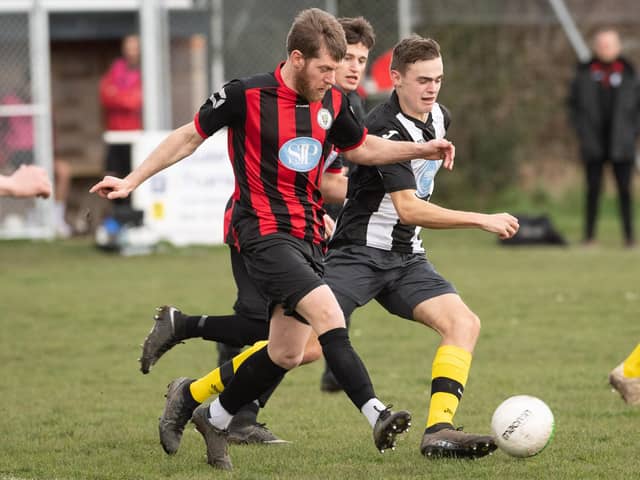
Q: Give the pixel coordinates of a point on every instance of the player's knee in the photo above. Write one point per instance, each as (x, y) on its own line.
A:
(312, 352)
(287, 359)
(470, 323)
(477, 325)
(328, 317)
(460, 325)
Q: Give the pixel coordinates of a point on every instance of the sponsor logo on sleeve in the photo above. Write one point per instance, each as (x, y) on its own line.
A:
(425, 175)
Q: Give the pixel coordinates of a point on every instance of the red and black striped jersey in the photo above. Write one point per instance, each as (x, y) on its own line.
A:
(230, 235)
(278, 144)
(333, 165)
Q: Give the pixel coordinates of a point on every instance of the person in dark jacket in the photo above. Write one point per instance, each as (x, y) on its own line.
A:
(604, 106)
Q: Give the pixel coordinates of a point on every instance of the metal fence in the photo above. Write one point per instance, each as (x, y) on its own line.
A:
(255, 31)
(24, 131)
(16, 117)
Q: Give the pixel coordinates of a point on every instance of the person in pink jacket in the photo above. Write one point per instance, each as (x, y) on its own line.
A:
(121, 99)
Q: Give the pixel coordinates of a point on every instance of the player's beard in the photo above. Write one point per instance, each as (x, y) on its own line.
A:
(303, 87)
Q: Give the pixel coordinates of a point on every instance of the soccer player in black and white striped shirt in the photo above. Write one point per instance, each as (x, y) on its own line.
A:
(376, 251)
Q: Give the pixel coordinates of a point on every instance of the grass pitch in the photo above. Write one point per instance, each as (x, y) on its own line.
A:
(75, 406)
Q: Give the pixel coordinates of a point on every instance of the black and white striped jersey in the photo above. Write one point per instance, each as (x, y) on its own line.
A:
(368, 216)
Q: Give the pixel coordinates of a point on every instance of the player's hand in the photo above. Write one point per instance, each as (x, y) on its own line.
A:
(329, 226)
(441, 149)
(30, 181)
(502, 224)
(112, 188)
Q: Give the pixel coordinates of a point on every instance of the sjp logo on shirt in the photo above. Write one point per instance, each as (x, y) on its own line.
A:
(300, 154)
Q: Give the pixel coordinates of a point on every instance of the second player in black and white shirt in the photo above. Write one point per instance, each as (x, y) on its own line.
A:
(376, 252)
(369, 216)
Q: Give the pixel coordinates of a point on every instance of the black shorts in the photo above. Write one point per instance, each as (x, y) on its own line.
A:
(118, 161)
(250, 302)
(398, 281)
(284, 268)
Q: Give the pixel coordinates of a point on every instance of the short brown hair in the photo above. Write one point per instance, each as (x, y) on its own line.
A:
(413, 49)
(313, 29)
(358, 30)
(604, 29)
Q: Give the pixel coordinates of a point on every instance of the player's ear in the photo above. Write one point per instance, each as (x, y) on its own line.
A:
(297, 59)
(396, 78)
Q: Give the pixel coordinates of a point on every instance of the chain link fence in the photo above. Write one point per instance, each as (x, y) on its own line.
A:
(255, 32)
(16, 116)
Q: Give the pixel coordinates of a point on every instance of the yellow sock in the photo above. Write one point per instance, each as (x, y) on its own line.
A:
(449, 375)
(213, 383)
(631, 366)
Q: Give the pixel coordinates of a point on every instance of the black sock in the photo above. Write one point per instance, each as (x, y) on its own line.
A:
(190, 402)
(327, 370)
(234, 330)
(264, 398)
(255, 376)
(188, 326)
(346, 365)
(248, 414)
(226, 353)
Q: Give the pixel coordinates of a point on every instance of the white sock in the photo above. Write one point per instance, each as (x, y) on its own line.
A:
(372, 410)
(220, 418)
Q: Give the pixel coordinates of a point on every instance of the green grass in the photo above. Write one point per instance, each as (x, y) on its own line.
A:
(75, 406)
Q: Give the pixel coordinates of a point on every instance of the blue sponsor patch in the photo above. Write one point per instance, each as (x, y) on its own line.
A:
(300, 154)
(425, 175)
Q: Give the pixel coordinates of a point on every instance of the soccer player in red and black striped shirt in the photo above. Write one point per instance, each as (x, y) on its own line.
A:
(281, 126)
(249, 322)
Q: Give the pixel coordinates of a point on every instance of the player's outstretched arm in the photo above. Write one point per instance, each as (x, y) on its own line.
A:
(502, 224)
(414, 211)
(179, 144)
(380, 151)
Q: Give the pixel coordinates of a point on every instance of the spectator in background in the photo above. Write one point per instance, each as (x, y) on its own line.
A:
(62, 179)
(17, 140)
(27, 181)
(121, 99)
(604, 107)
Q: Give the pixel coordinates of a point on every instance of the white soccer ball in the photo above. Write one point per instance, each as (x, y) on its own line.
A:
(522, 426)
